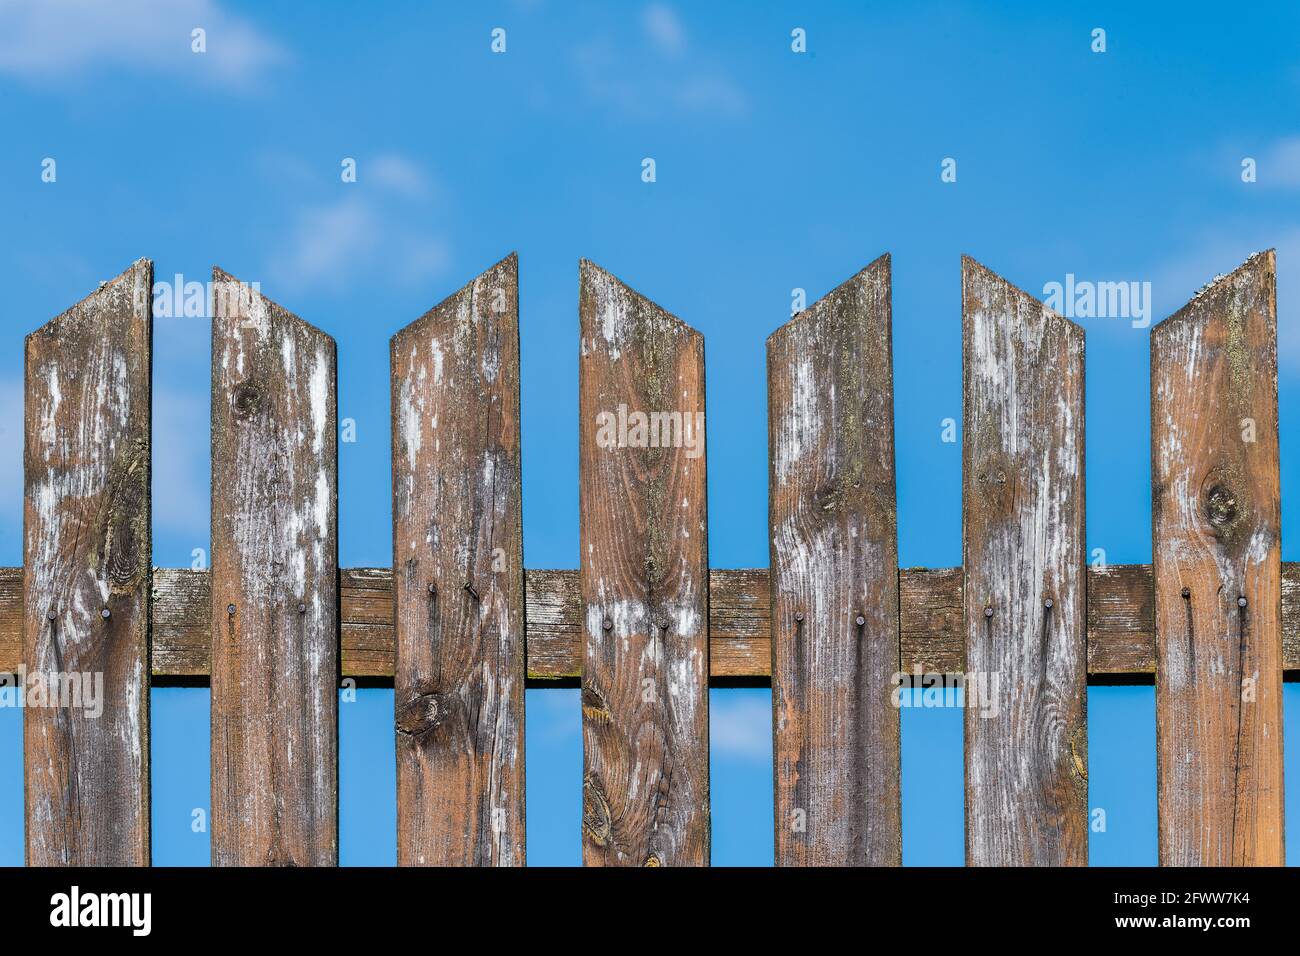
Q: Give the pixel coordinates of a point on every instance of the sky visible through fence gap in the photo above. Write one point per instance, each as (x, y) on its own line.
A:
(743, 212)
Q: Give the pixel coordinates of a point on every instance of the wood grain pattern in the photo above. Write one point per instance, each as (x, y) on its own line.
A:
(834, 580)
(86, 550)
(459, 587)
(274, 603)
(1121, 623)
(644, 581)
(1216, 520)
(1023, 527)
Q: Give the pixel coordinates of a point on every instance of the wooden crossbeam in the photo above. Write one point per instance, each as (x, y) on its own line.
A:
(1120, 628)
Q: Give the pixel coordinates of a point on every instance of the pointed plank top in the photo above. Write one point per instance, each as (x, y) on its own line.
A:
(1208, 302)
(979, 281)
(455, 307)
(826, 308)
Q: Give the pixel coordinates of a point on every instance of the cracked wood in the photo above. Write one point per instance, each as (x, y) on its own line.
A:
(459, 587)
(86, 592)
(644, 581)
(1023, 598)
(274, 599)
(1216, 518)
(834, 581)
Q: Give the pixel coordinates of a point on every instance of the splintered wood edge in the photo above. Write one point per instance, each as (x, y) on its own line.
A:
(1120, 616)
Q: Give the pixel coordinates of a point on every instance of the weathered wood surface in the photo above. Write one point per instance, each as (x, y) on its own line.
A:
(274, 603)
(1216, 519)
(86, 548)
(459, 586)
(834, 580)
(644, 581)
(1121, 622)
(1023, 528)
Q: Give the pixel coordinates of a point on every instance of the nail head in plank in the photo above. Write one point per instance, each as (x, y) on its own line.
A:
(834, 581)
(459, 587)
(644, 562)
(1023, 528)
(1216, 518)
(274, 546)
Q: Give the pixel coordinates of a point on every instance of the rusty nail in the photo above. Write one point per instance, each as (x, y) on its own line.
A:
(302, 608)
(1048, 604)
(663, 625)
(469, 587)
(1187, 592)
(988, 610)
(798, 615)
(230, 609)
(105, 613)
(433, 590)
(1241, 601)
(608, 624)
(861, 620)
(52, 615)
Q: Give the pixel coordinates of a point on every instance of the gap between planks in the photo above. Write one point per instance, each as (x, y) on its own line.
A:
(1121, 642)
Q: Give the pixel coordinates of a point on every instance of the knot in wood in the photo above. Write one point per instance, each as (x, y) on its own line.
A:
(246, 401)
(423, 713)
(597, 821)
(1220, 505)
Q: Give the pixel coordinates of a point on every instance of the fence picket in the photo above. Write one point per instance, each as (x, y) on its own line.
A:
(459, 581)
(1216, 518)
(1023, 596)
(834, 580)
(644, 581)
(274, 599)
(86, 590)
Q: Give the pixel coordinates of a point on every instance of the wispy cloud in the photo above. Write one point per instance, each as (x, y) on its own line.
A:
(369, 230)
(664, 29)
(48, 40)
(1279, 166)
(180, 463)
(657, 72)
(740, 727)
(1179, 278)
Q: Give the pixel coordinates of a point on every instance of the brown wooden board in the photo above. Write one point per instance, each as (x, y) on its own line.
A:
(459, 587)
(1023, 531)
(274, 599)
(644, 581)
(86, 591)
(834, 580)
(1121, 628)
(1218, 598)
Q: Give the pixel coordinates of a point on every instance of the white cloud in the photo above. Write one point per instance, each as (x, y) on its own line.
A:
(656, 77)
(370, 232)
(47, 40)
(740, 727)
(399, 174)
(1178, 279)
(1280, 165)
(328, 241)
(181, 461)
(664, 29)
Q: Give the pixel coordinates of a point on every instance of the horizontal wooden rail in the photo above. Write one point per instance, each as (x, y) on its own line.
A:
(1121, 635)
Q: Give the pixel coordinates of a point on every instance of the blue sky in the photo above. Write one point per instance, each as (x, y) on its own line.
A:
(774, 171)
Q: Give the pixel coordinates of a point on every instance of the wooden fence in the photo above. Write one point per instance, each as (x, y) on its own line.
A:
(460, 627)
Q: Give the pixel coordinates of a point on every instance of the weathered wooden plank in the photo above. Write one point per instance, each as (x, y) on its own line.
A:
(1216, 511)
(459, 586)
(834, 579)
(644, 581)
(1023, 526)
(274, 605)
(86, 550)
(1121, 622)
